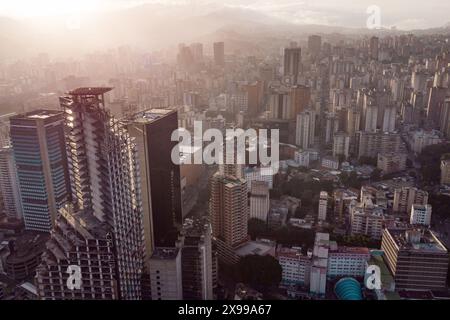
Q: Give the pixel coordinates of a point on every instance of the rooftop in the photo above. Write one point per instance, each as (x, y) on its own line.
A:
(423, 240)
(164, 253)
(86, 91)
(36, 114)
(151, 115)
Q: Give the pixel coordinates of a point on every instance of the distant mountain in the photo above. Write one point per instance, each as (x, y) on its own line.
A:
(152, 26)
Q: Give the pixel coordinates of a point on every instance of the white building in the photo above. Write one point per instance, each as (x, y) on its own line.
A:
(259, 200)
(165, 274)
(420, 214)
(347, 261)
(318, 274)
(366, 219)
(323, 205)
(304, 133)
(295, 266)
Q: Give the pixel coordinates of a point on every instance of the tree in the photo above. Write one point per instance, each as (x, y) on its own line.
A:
(259, 271)
(430, 159)
(376, 175)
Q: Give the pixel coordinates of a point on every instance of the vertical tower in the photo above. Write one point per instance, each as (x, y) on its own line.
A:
(104, 179)
(219, 53)
(159, 176)
(39, 151)
(9, 185)
(229, 213)
(292, 62)
(306, 124)
(197, 260)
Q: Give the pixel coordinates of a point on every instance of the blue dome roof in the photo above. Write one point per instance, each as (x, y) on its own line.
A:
(348, 289)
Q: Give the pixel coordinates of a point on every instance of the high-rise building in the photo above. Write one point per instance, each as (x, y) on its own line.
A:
(78, 239)
(229, 213)
(305, 129)
(445, 170)
(197, 51)
(292, 63)
(323, 206)
(373, 48)
(4, 129)
(300, 99)
(104, 179)
(40, 154)
(341, 144)
(197, 260)
(389, 119)
(416, 258)
(259, 200)
(314, 45)
(405, 197)
(166, 274)
(420, 215)
(9, 184)
(370, 144)
(219, 53)
(159, 176)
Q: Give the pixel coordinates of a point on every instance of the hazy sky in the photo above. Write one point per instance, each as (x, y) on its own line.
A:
(405, 14)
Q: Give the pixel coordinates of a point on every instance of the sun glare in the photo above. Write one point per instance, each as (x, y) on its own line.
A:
(36, 8)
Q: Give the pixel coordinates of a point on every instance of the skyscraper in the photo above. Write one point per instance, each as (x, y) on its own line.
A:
(79, 239)
(373, 48)
(39, 152)
(197, 260)
(306, 125)
(219, 53)
(103, 175)
(159, 176)
(292, 63)
(9, 184)
(314, 45)
(229, 213)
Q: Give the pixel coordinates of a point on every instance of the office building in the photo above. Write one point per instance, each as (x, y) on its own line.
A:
(40, 155)
(106, 185)
(159, 176)
(197, 260)
(9, 184)
(420, 215)
(166, 274)
(416, 258)
(373, 48)
(319, 264)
